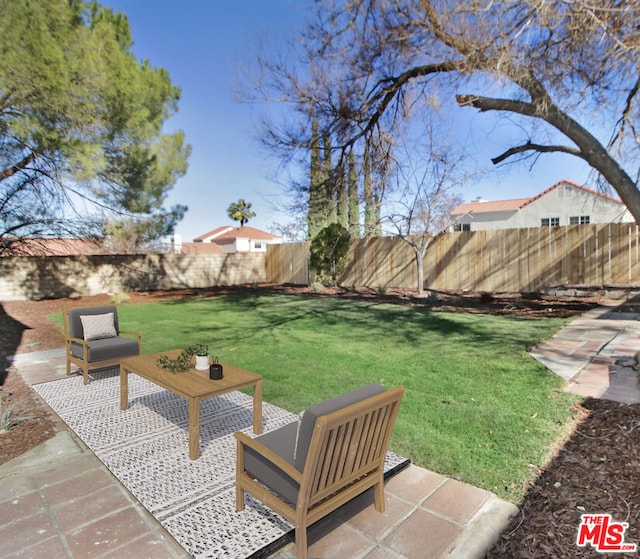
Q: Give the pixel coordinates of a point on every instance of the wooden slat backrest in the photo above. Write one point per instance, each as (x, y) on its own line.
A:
(348, 444)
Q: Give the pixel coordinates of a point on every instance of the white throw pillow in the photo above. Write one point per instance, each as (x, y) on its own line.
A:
(98, 326)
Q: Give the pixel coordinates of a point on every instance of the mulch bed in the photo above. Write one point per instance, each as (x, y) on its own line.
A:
(596, 471)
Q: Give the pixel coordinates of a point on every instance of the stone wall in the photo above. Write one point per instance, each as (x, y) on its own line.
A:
(45, 277)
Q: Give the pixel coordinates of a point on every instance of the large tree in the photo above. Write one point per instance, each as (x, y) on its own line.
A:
(81, 140)
(566, 73)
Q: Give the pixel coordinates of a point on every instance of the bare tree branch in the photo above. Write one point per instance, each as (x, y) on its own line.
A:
(373, 67)
(17, 167)
(534, 147)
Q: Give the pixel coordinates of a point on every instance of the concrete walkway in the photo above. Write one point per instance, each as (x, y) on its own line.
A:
(59, 500)
(595, 355)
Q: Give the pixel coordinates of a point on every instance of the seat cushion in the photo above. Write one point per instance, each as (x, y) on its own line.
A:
(282, 442)
(308, 421)
(108, 348)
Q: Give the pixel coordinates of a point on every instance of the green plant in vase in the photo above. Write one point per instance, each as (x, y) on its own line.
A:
(201, 351)
(184, 361)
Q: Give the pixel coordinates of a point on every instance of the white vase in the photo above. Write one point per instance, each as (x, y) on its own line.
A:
(202, 362)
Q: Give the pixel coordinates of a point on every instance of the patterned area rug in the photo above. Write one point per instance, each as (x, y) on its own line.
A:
(146, 447)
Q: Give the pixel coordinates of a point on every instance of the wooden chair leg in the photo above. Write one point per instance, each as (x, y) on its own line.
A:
(378, 496)
(239, 499)
(301, 542)
(68, 367)
(85, 371)
(239, 474)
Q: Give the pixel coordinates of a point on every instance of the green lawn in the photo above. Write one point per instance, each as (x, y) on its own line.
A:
(477, 407)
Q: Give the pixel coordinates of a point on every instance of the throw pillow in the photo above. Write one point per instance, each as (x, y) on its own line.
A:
(98, 326)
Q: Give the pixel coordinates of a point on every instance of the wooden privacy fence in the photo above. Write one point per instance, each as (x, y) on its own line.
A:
(525, 260)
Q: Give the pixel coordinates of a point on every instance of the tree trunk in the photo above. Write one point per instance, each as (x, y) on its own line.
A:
(420, 264)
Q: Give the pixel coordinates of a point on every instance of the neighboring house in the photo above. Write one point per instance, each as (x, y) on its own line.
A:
(233, 239)
(565, 203)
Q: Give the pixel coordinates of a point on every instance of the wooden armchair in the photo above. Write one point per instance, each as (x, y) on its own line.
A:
(93, 338)
(307, 469)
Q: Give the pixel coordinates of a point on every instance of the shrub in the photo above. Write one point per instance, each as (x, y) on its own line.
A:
(328, 251)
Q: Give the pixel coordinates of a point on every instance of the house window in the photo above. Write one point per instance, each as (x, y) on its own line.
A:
(550, 221)
(579, 220)
(462, 227)
(258, 246)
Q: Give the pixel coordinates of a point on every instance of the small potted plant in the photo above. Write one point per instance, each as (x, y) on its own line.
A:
(201, 351)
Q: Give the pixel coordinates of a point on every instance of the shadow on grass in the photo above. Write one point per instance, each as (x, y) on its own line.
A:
(269, 310)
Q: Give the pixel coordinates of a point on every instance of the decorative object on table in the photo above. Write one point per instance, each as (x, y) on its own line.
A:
(201, 351)
(184, 361)
(215, 369)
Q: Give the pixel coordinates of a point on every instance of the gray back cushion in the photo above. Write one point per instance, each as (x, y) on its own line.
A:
(75, 324)
(308, 421)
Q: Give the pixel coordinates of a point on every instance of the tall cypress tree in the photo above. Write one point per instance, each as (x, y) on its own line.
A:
(341, 198)
(369, 206)
(315, 220)
(329, 181)
(352, 196)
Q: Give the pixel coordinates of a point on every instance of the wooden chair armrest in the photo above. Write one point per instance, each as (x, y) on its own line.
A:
(267, 453)
(78, 341)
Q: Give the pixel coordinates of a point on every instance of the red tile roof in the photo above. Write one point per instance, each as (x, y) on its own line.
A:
(519, 203)
(215, 233)
(494, 206)
(227, 233)
(248, 233)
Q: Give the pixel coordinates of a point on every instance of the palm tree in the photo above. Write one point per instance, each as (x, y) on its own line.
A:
(241, 211)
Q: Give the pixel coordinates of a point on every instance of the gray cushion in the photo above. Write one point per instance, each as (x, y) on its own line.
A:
(282, 442)
(308, 421)
(108, 348)
(75, 324)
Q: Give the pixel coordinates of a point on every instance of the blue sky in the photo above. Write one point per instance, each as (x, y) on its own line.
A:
(201, 43)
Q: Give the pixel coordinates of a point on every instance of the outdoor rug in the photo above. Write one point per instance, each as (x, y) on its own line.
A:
(146, 447)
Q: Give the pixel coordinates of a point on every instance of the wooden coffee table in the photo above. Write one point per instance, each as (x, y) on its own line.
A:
(193, 386)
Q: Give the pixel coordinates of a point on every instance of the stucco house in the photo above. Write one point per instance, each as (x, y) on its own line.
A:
(234, 239)
(565, 203)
